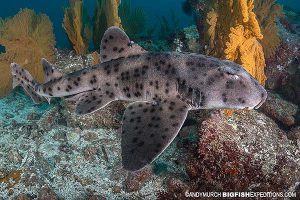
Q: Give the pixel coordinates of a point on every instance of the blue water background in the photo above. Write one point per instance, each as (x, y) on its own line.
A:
(153, 9)
(54, 9)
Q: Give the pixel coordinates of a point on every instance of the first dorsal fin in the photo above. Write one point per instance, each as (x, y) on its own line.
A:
(115, 44)
(49, 71)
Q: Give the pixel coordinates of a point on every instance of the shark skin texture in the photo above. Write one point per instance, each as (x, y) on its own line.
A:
(162, 87)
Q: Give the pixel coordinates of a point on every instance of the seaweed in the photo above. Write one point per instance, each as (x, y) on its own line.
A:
(133, 20)
(169, 28)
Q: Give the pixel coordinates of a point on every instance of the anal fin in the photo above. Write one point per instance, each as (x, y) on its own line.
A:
(148, 129)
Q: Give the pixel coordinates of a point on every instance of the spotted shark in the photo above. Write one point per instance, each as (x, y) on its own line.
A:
(162, 88)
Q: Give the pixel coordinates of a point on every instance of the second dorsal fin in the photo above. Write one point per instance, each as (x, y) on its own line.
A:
(115, 44)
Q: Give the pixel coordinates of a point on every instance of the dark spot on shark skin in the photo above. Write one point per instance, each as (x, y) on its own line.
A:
(115, 49)
(141, 143)
(75, 83)
(111, 37)
(151, 83)
(163, 136)
(166, 129)
(116, 85)
(210, 81)
(145, 110)
(121, 50)
(135, 139)
(105, 40)
(69, 87)
(103, 47)
(189, 63)
(107, 84)
(162, 62)
(58, 88)
(104, 56)
(229, 84)
(50, 89)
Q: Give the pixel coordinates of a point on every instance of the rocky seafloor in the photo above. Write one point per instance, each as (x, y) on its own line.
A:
(47, 152)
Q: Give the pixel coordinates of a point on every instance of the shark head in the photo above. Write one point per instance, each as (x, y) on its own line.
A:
(233, 88)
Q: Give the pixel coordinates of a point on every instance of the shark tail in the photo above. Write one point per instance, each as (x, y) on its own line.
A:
(23, 78)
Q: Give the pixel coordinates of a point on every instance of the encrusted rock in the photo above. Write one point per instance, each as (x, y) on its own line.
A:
(90, 153)
(90, 136)
(135, 180)
(23, 197)
(280, 110)
(108, 116)
(248, 152)
(294, 135)
(47, 194)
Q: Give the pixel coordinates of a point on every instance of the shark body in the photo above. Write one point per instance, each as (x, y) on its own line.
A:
(162, 87)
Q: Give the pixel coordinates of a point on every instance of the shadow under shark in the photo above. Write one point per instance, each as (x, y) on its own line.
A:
(163, 87)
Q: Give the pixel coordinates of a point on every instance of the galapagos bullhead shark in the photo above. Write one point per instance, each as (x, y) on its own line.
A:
(162, 88)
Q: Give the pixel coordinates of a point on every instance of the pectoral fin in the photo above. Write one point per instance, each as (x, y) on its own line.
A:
(148, 129)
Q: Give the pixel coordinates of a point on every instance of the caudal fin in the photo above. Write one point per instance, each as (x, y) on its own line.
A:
(23, 78)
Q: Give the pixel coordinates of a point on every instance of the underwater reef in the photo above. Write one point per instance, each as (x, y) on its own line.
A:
(48, 152)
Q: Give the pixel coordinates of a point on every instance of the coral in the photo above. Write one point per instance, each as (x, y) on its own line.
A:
(27, 37)
(76, 27)
(233, 33)
(96, 58)
(133, 20)
(267, 11)
(106, 15)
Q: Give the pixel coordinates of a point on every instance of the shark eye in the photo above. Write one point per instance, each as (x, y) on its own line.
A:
(235, 77)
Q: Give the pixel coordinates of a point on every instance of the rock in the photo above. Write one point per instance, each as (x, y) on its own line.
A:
(248, 152)
(47, 194)
(96, 197)
(175, 190)
(279, 109)
(135, 180)
(277, 66)
(116, 189)
(30, 178)
(90, 153)
(3, 173)
(73, 136)
(23, 197)
(90, 136)
(32, 116)
(294, 135)
(106, 117)
(291, 88)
